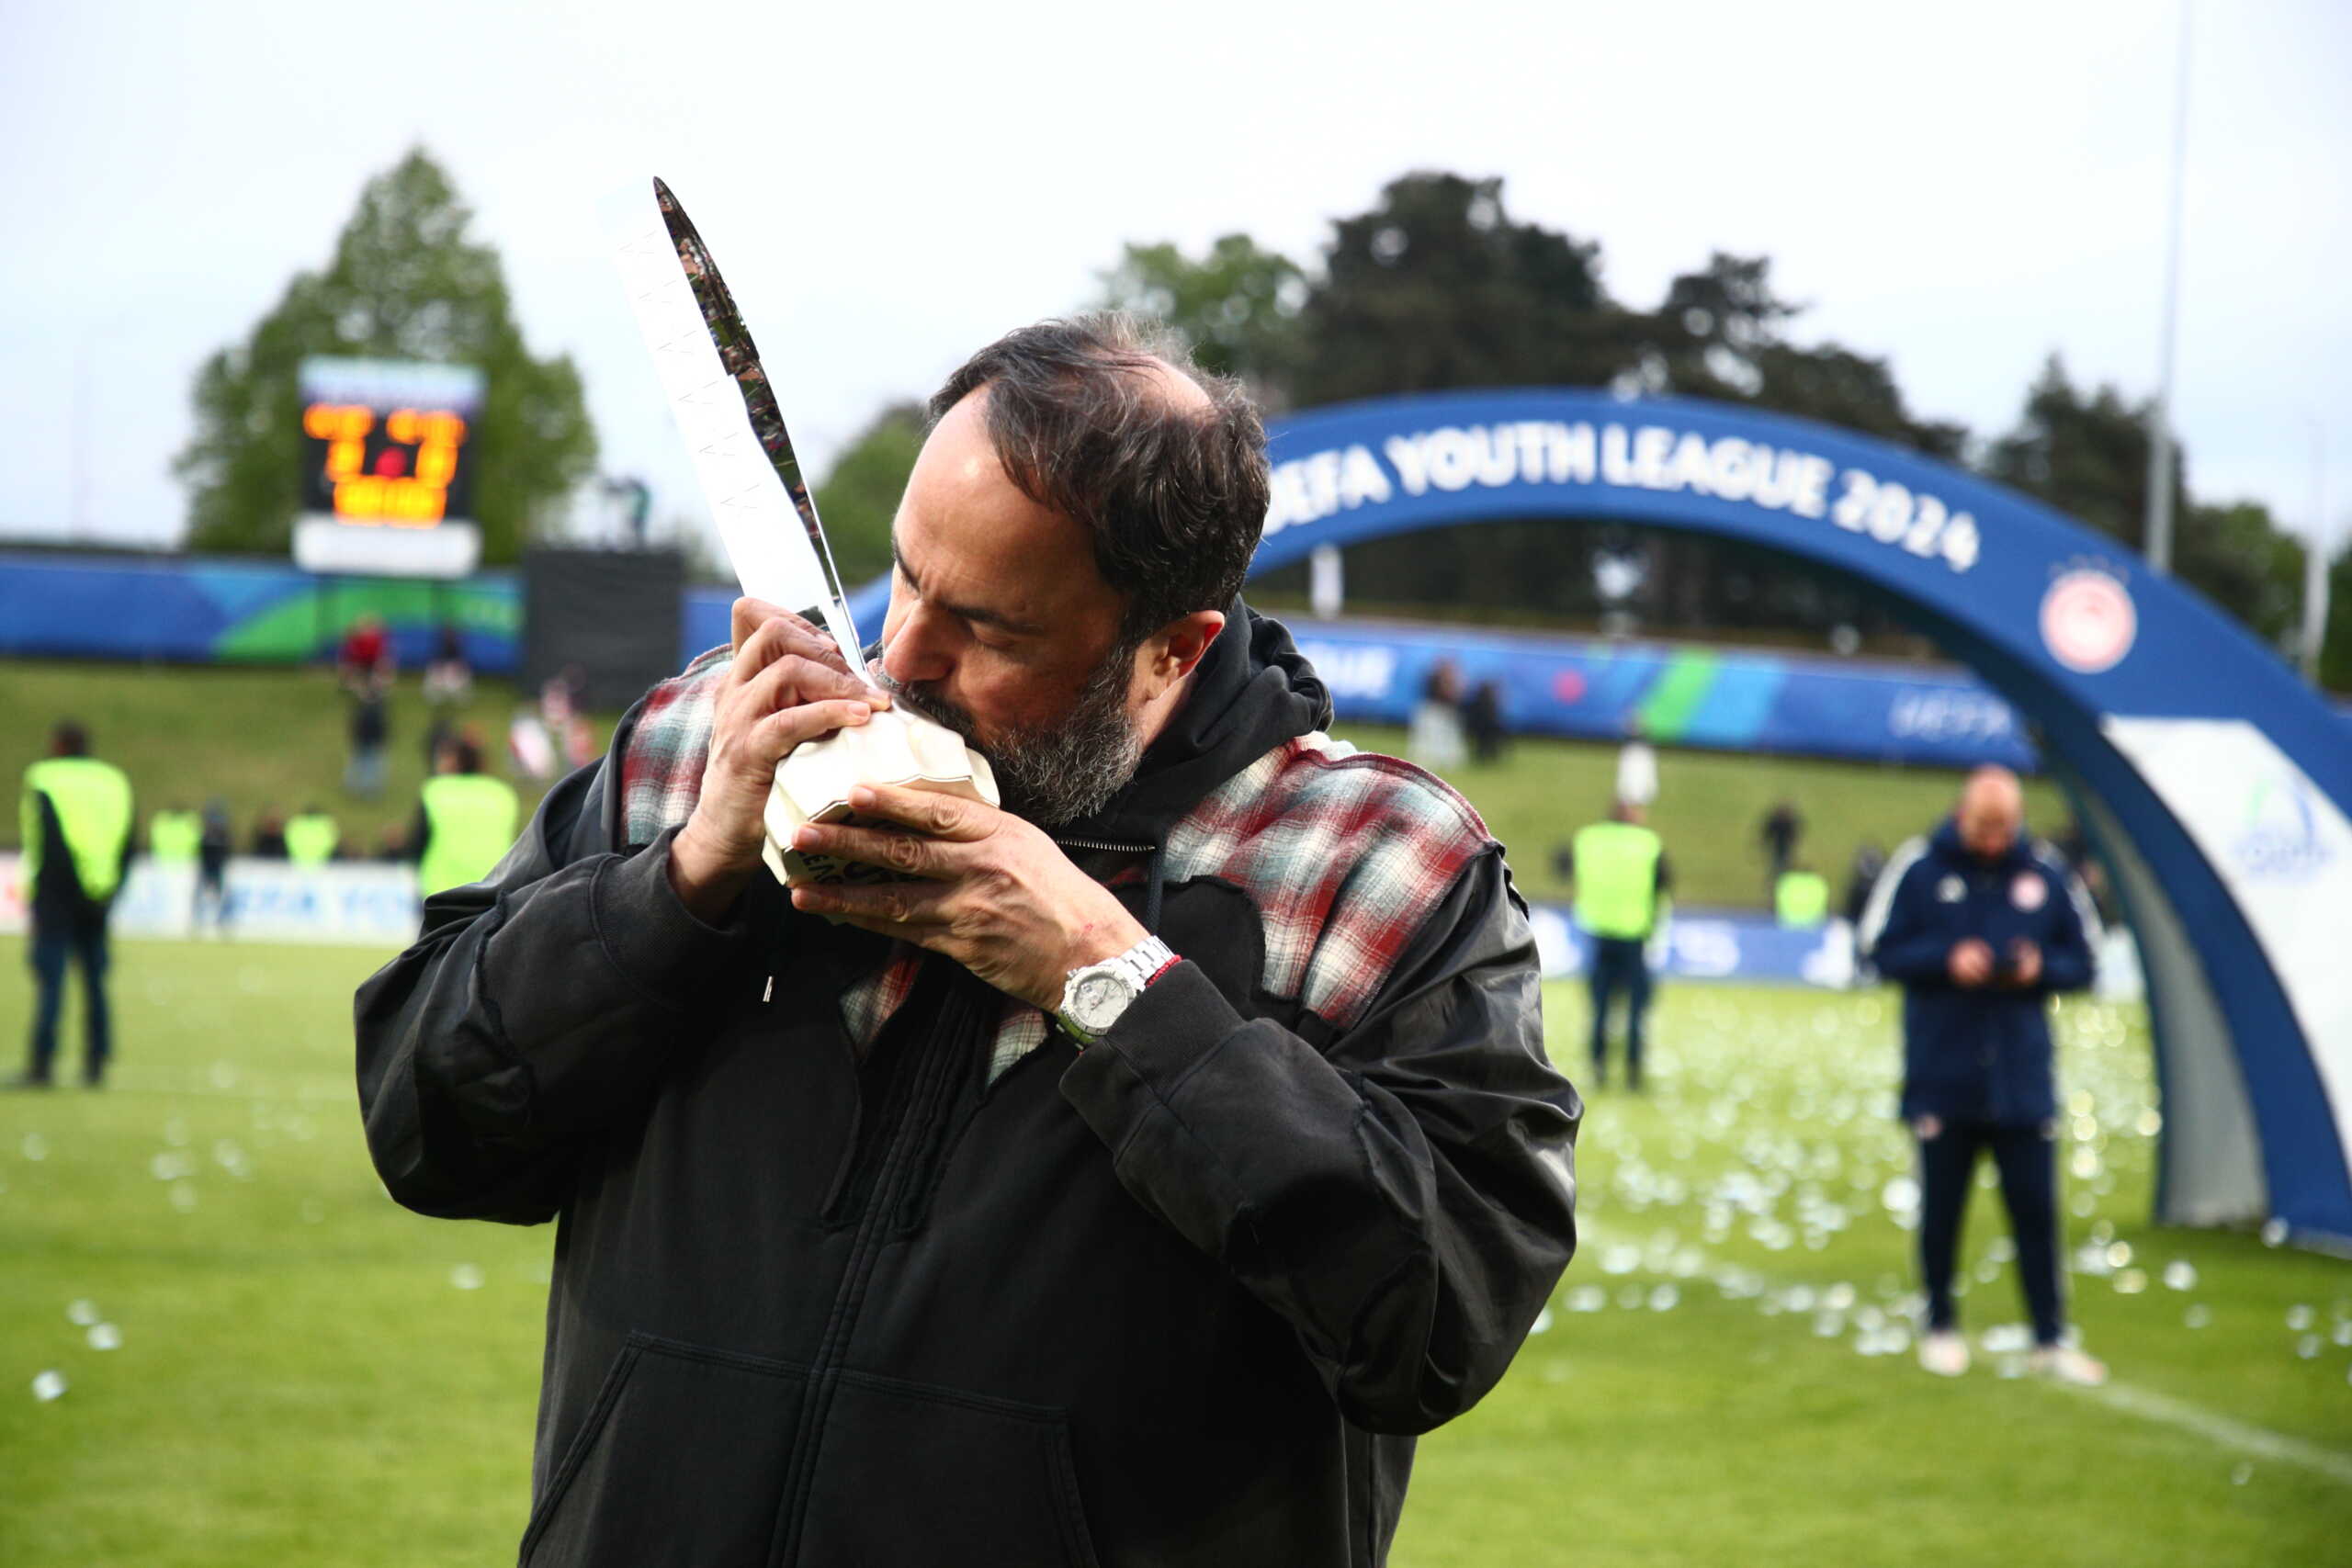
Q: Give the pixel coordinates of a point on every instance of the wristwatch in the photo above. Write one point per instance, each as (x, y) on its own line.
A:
(1096, 994)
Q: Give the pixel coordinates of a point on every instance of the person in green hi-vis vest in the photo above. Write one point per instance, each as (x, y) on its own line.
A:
(311, 837)
(1622, 881)
(79, 826)
(1800, 899)
(173, 836)
(466, 822)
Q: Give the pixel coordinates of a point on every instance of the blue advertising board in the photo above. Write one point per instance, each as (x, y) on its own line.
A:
(1725, 699)
(207, 609)
(1711, 945)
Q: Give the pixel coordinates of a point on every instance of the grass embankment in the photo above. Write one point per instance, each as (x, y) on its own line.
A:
(275, 738)
(255, 738)
(307, 1374)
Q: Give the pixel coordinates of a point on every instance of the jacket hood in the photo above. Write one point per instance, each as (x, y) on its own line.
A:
(1252, 690)
(1947, 843)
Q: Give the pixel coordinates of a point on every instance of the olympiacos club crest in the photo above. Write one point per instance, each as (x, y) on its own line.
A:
(2088, 622)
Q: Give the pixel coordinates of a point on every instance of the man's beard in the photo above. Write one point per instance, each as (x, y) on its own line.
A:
(1063, 772)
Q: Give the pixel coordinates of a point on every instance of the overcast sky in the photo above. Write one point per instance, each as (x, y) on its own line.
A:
(1964, 189)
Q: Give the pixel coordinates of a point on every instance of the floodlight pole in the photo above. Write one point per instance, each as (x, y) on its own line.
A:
(2315, 559)
(79, 525)
(2159, 528)
(1326, 583)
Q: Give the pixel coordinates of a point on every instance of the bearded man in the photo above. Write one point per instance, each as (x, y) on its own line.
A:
(882, 1238)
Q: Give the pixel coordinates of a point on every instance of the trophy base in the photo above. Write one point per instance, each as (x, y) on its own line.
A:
(896, 747)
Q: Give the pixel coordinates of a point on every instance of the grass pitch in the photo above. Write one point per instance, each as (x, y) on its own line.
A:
(303, 1373)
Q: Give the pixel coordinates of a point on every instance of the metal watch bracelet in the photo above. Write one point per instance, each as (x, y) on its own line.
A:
(1094, 995)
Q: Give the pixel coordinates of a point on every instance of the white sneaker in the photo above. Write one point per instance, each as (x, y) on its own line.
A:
(1943, 1352)
(2064, 1363)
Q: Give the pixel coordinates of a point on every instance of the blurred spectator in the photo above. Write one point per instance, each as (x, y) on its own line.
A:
(79, 826)
(559, 710)
(1483, 716)
(172, 835)
(391, 844)
(2073, 846)
(442, 727)
(212, 851)
(269, 834)
(1621, 887)
(448, 679)
(1779, 834)
(1861, 875)
(1636, 766)
(527, 744)
(370, 730)
(465, 821)
(1800, 899)
(1435, 736)
(311, 837)
(364, 662)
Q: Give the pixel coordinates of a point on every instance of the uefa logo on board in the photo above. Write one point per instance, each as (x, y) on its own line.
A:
(2088, 622)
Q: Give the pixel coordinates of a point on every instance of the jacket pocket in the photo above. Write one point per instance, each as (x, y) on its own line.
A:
(908, 1473)
(680, 1460)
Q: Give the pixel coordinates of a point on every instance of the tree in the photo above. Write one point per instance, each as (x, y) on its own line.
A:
(2335, 653)
(2236, 554)
(1237, 304)
(859, 499)
(1438, 288)
(2086, 453)
(1719, 334)
(1837, 385)
(405, 282)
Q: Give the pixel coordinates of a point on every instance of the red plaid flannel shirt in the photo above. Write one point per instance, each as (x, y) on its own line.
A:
(1344, 854)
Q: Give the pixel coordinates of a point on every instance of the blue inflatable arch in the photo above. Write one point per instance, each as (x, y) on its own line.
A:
(2215, 785)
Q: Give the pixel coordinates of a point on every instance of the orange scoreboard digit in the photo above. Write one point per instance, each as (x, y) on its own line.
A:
(387, 450)
(398, 466)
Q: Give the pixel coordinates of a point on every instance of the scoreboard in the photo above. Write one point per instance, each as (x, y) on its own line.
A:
(388, 468)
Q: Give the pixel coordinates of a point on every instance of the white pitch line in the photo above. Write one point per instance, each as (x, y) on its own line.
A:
(2259, 1442)
(2149, 1405)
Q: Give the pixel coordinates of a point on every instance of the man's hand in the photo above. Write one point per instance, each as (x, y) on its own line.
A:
(996, 894)
(2025, 964)
(1970, 963)
(787, 684)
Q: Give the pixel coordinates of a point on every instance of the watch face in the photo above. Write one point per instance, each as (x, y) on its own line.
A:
(1098, 996)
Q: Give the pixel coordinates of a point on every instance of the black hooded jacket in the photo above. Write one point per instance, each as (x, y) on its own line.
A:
(836, 1287)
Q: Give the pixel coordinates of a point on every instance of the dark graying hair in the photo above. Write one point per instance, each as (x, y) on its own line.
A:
(1174, 495)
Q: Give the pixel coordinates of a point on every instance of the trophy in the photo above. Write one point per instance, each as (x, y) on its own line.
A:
(743, 457)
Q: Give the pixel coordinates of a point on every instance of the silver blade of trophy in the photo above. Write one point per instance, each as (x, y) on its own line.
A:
(725, 410)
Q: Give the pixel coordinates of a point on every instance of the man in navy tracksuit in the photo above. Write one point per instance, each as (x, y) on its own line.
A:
(1979, 924)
